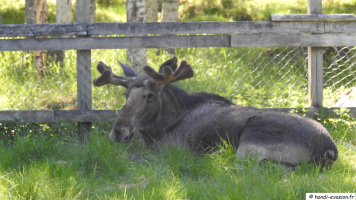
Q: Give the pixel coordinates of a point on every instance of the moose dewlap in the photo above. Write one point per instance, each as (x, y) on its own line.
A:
(159, 110)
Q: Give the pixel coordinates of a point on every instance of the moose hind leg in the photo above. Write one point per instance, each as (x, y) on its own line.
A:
(245, 149)
(284, 153)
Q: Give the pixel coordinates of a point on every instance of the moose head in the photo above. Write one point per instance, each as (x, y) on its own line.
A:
(143, 98)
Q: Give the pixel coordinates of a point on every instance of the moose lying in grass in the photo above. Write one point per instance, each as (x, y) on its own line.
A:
(160, 110)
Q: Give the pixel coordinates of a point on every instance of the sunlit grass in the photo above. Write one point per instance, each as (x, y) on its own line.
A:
(43, 168)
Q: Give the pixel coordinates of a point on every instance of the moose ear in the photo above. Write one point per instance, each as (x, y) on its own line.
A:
(172, 63)
(128, 71)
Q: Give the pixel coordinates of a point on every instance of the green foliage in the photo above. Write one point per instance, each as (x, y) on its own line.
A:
(254, 10)
(212, 10)
(108, 3)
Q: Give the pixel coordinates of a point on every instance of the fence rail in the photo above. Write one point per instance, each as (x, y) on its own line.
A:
(48, 116)
(178, 42)
(138, 28)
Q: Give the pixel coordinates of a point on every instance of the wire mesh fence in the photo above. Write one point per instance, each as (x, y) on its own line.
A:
(249, 76)
(339, 76)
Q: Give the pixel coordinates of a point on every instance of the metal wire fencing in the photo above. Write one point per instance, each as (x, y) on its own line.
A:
(339, 76)
(249, 76)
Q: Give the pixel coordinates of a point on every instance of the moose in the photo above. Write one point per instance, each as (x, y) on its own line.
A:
(161, 111)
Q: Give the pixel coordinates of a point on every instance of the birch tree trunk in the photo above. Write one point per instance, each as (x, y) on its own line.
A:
(151, 10)
(63, 15)
(170, 14)
(30, 10)
(170, 10)
(136, 10)
(64, 11)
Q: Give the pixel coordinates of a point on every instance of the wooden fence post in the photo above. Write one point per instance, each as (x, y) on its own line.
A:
(315, 63)
(84, 93)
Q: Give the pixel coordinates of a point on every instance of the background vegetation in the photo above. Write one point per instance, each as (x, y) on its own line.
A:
(46, 161)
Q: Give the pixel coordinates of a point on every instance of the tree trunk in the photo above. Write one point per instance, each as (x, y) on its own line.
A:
(136, 10)
(63, 15)
(170, 10)
(151, 10)
(64, 11)
(170, 14)
(42, 55)
(30, 10)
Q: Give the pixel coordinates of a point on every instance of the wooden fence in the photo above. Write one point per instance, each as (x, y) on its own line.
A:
(313, 30)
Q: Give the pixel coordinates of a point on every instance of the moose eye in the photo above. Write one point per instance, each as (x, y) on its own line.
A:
(149, 97)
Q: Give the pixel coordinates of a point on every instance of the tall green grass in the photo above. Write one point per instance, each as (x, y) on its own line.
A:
(45, 167)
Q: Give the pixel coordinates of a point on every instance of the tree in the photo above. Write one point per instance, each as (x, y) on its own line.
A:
(30, 10)
(136, 11)
(170, 10)
(42, 55)
(151, 10)
(63, 15)
(36, 12)
(170, 14)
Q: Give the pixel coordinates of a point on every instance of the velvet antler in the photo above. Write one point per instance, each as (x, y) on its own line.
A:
(107, 77)
(183, 71)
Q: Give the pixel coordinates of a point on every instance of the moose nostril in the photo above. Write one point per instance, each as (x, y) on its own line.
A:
(126, 138)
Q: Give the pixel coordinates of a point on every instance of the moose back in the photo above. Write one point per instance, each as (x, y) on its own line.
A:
(159, 110)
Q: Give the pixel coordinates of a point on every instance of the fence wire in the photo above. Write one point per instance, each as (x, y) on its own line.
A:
(339, 76)
(249, 76)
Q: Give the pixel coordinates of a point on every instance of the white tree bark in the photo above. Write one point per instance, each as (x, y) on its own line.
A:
(30, 12)
(136, 10)
(170, 14)
(63, 15)
(170, 10)
(64, 11)
(151, 10)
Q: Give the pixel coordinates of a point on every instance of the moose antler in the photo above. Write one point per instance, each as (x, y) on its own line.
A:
(107, 77)
(183, 71)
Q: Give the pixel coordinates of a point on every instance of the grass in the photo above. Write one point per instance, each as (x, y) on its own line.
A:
(46, 161)
(46, 167)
